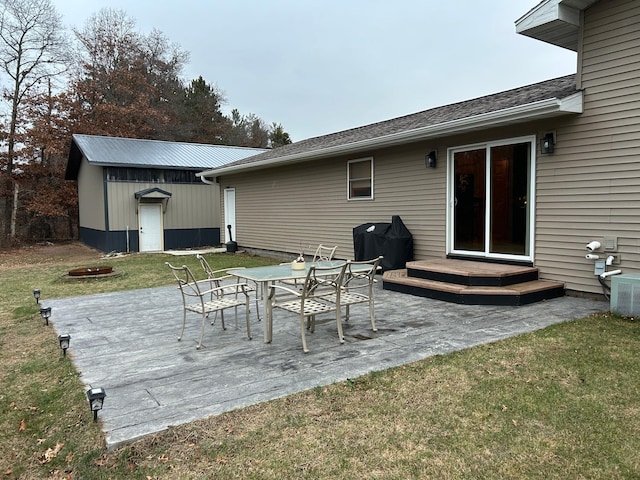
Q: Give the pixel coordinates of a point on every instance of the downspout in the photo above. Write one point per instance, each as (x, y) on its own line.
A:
(208, 182)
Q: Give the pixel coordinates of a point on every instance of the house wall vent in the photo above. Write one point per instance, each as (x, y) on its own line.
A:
(625, 294)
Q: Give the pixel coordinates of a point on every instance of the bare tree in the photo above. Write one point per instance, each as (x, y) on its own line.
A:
(33, 48)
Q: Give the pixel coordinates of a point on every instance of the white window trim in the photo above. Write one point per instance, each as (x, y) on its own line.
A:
(357, 160)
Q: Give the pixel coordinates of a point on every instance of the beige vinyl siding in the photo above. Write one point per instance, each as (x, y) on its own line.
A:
(284, 209)
(90, 197)
(590, 188)
(190, 205)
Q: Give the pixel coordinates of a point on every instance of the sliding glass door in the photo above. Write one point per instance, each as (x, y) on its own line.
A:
(490, 198)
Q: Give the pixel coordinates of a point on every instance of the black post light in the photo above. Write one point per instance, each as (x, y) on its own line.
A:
(96, 400)
(36, 294)
(45, 312)
(64, 340)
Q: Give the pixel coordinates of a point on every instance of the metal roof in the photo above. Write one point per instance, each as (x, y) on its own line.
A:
(132, 152)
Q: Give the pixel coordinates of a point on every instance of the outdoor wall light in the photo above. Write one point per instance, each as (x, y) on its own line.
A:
(64, 343)
(36, 294)
(45, 312)
(96, 399)
(547, 143)
(430, 159)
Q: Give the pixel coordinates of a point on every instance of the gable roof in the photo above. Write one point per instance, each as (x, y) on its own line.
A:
(137, 153)
(558, 96)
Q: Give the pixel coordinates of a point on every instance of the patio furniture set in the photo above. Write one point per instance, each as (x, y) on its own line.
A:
(322, 286)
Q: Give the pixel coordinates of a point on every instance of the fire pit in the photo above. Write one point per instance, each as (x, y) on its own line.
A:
(92, 272)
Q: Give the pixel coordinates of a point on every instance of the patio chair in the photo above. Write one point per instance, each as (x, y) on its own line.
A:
(309, 301)
(220, 279)
(211, 299)
(357, 287)
(322, 254)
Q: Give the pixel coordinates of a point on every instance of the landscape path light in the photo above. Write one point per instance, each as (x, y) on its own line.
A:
(96, 400)
(45, 312)
(64, 340)
(36, 294)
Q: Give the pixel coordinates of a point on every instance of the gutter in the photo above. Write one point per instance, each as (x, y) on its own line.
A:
(521, 113)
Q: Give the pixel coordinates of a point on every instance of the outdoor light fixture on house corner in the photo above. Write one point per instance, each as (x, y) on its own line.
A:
(547, 143)
(36, 294)
(45, 312)
(64, 340)
(430, 159)
(96, 400)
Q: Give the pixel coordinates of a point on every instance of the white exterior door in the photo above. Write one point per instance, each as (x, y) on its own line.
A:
(229, 213)
(150, 228)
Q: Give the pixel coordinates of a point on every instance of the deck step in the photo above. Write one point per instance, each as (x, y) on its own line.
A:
(465, 272)
(515, 294)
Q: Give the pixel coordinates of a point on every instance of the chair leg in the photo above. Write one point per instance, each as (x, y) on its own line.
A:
(222, 320)
(346, 313)
(339, 323)
(247, 320)
(302, 329)
(258, 307)
(204, 317)
(372, 315)
(184, 320)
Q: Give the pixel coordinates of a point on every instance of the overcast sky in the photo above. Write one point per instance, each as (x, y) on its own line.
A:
(321, 66)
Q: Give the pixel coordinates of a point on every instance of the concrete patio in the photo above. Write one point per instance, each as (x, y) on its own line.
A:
(126, 343)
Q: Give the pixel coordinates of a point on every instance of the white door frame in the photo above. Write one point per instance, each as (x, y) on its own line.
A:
(150, 228)
(530, 200)
(229, 213)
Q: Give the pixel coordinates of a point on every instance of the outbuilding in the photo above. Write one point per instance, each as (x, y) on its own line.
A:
(143, 195)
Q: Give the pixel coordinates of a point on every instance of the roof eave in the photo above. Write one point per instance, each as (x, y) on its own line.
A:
(522, 113)
(554, 21)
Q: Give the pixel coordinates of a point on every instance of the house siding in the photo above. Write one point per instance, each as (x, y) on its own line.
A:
(297, 207)
(90, 197)
(190, 205)
(590, 187)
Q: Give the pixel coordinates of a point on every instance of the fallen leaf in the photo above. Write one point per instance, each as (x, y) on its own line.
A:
(22, 426)
(8, 471)
(515, 422)
(504, 408)
(51, 453)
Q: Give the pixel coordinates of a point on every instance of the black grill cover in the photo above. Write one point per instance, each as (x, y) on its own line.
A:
(391, 240)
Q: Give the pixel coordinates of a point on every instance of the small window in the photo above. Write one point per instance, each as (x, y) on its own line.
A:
(360, 179)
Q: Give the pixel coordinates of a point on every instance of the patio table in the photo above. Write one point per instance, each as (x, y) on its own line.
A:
(274, 273)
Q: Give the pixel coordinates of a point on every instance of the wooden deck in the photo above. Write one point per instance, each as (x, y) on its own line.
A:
(472, 283)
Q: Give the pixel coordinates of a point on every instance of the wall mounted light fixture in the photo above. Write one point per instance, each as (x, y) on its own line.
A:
(430, 159)
(547, 143)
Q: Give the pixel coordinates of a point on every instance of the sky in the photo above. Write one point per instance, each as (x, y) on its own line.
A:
(322, 66)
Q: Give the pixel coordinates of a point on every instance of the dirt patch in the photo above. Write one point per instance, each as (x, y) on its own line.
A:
(72, 252)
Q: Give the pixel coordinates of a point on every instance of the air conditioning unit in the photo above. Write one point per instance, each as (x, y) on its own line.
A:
(625, 294)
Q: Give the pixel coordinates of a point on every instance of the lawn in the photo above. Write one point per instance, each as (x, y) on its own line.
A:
(557, 403)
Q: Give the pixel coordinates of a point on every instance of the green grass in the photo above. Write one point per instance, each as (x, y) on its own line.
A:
(553, 404)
